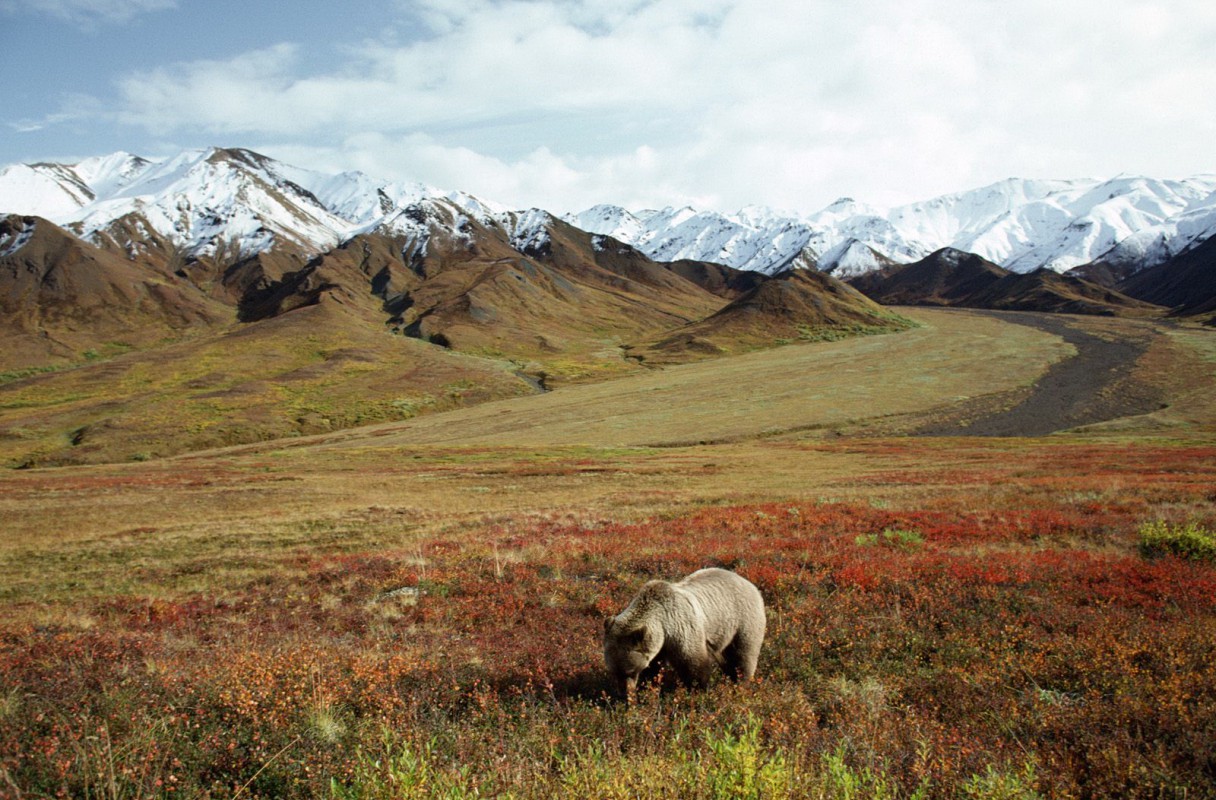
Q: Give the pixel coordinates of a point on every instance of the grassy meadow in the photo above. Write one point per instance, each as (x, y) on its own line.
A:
(414, 609)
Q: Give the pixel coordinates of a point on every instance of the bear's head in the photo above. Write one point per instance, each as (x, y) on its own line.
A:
(628, 650)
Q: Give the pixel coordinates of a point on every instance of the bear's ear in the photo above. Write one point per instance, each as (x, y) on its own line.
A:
(608, 624)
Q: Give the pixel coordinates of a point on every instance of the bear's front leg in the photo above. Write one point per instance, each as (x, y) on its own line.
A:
(627, 688)
(694, 664)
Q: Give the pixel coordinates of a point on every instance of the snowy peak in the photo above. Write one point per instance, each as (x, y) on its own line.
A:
(852, 257)
(1020, 224)
(235, 199)
(754, 238)
(609, 220)
(106, 175)
(44, 190)
(201, 199)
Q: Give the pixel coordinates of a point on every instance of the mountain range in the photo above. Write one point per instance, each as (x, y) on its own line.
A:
(220, 296)
(213, 233)
(1130, 223)
(199, 200)
(950, 277)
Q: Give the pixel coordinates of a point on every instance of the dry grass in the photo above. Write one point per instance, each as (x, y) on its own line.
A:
(953, 357)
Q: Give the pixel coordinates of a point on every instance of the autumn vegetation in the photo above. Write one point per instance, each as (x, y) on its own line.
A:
(362, 617)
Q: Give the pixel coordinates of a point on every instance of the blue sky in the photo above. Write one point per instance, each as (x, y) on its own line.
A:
(566, 103)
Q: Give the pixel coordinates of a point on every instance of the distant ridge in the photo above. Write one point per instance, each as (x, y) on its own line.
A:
(951, 277)
(796, 305)
(201, 199)
(1022, 225)
(1186, 282)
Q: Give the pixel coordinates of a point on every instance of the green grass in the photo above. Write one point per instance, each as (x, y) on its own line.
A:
(309, 372)
(1191, 541)
(17, 374)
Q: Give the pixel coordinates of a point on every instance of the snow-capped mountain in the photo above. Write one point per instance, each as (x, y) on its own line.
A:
(1020, 224)
(193, 201)
(202, 200)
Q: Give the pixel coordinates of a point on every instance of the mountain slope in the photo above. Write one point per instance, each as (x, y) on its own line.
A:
(1046, 290)
(545, 291)
(1186, 282)
(951, 277)
(946, 277)
(797, 305)
(311, 370)
(61, 297)
(718, 279)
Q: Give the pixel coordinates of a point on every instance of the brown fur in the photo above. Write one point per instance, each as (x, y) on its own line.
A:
(711, 619)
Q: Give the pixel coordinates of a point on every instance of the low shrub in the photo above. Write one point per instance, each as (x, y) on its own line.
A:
(1191, 541)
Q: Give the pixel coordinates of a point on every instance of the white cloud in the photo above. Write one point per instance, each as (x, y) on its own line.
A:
(723, 102)
(87, 13)
(72, 108)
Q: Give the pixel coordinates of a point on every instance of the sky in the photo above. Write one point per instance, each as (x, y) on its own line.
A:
(563, 104)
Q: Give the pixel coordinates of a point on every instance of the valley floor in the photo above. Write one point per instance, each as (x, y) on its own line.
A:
(1098, 383)
(414, 608)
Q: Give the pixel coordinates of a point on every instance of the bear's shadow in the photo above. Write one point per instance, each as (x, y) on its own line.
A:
(589, 685)
(595, 685)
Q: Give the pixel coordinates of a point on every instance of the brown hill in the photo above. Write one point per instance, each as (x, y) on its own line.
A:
(62, 298)
(1101, 273)
(797, 305)
(946, 277)
(562, 303)
(1047, 290)
(952, 277)
(310, 370)
(1186, 283)
(718, 279)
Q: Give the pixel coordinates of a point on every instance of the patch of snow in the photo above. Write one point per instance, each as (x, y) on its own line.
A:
(530, 230)
(11, 243)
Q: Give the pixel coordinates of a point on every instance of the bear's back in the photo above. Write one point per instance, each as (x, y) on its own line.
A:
(725, 595)
(713, 580)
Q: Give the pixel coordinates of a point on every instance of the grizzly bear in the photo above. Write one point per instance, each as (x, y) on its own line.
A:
(712, 618)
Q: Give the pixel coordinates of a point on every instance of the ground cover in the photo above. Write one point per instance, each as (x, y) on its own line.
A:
(949, 620)
(953, 357)
(360, 614)
(307, 372)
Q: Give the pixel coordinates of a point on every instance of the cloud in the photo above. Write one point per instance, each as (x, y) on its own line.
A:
(88, 13)
(724, 102)
(72, 108)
